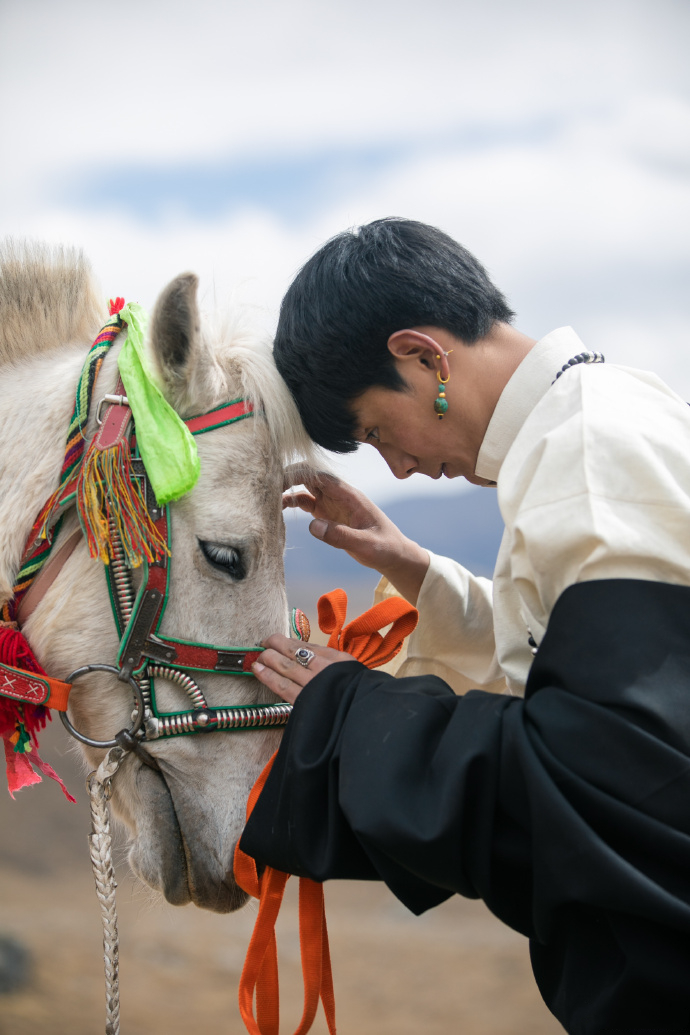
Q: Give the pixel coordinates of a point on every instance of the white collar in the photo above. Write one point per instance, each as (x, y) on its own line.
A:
(529, 383)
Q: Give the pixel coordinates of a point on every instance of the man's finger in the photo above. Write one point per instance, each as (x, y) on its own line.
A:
(280, 685)
(286, 665)
(284, 644)
(303, 500)
(276, 643)
(342, 537)
(304, 474)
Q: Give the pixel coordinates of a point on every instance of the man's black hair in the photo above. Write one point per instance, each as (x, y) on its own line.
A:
(357, 290)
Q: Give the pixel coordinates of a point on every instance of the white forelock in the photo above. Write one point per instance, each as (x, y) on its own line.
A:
(242, 364)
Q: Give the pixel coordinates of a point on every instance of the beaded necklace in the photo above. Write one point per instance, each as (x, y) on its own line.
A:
(582, 357)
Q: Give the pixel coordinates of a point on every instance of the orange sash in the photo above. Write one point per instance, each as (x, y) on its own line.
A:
(362, 639)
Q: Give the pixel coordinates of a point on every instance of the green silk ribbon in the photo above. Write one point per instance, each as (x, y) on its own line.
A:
(166, 445)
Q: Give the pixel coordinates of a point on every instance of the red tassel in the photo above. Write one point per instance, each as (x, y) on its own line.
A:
(21, 774)
(15, 650)
(116, 305)
(18, 768)
(20, 764)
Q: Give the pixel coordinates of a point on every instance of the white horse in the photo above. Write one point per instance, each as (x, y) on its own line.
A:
(226, 579)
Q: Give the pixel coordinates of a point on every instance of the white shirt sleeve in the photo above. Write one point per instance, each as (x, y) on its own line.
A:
(455, 635)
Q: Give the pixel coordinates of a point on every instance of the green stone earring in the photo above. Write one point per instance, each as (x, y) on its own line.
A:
(441, 403)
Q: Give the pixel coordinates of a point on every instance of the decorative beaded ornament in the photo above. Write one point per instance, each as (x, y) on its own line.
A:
(441, 403)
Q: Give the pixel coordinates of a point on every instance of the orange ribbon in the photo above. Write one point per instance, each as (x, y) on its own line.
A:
(362, 639)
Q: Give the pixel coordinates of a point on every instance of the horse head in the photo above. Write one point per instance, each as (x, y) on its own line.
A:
(225, 571)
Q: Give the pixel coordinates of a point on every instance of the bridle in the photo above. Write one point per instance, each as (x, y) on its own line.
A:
(144, 653)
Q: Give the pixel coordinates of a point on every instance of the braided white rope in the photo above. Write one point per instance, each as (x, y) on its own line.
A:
(100, 843)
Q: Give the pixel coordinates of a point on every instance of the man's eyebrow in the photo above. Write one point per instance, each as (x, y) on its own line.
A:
(359, 430)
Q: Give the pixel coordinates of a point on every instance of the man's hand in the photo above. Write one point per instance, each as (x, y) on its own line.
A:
(280, 671)
(346, 519)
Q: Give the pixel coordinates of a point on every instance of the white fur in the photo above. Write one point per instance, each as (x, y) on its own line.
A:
(183, 827)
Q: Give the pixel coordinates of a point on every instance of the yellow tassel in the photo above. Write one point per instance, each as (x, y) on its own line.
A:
(106, 489)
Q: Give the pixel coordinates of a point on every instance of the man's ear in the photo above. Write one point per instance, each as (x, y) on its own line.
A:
(410, 345)
(175, 331)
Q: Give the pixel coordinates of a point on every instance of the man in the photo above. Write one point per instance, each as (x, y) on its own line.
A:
(566, 809)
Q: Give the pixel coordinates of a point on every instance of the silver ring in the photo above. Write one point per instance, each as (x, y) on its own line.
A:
(304, 656)
(138, 698)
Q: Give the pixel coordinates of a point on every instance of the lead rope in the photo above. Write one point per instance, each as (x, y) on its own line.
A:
(99, 787)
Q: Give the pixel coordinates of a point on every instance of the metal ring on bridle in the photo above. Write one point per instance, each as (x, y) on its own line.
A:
(303, 656)
(132, 730)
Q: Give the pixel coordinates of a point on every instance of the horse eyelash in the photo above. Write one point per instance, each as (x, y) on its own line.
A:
(222, 554)
(225, 558)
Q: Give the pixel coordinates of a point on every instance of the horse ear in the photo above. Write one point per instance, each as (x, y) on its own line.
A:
(174, 334)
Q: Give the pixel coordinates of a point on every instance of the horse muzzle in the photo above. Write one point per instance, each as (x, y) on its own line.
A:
(178, 851)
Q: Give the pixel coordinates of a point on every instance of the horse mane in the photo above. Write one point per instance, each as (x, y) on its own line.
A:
(47, 297)
(242, 364)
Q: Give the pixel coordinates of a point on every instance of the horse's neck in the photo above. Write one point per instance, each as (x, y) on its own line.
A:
(36, 404)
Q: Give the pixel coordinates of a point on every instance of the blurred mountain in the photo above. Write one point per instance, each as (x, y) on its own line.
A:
(467, 527)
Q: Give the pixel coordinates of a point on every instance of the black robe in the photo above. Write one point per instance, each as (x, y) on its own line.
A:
(568, 812)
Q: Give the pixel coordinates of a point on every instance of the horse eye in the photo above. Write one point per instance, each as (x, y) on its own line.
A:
(224, 558)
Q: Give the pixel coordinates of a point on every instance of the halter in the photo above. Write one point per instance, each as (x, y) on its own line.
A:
(144, 654)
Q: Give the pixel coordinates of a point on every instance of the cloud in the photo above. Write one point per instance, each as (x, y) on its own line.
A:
(552, 139)
(168, 81)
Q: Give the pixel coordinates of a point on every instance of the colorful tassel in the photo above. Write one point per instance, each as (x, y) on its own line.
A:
(107, 490)
(20, 738)
(15, 650)
(20, 771)
(21, 723)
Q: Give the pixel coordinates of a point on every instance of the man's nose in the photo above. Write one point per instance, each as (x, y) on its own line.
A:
(401, 464)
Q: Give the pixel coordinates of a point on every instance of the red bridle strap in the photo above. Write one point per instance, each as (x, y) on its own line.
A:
(218, 418)
(229, 413)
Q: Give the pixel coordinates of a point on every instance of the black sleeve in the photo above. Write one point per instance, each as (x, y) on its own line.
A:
(568, 812)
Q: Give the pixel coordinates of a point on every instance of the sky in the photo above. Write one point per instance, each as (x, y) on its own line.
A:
(232, 139)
